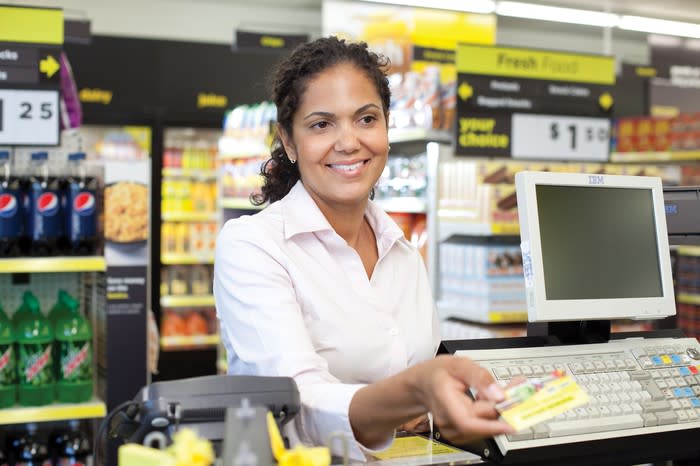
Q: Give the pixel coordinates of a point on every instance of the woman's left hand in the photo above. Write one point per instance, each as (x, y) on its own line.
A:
(421, 424)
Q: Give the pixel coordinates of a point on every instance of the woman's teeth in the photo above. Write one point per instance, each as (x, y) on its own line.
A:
(347, 168)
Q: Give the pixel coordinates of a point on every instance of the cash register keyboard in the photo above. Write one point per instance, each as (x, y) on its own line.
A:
(635, 386)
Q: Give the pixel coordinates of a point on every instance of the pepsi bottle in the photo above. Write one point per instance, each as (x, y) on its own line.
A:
(45, 221)
(11, 210)
(26, 450)
(80, 204)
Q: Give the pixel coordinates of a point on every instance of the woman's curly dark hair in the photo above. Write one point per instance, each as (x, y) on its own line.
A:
(288, 86)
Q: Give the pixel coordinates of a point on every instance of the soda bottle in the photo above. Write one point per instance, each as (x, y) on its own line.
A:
(45, 222)
(34, 338)
(8, 372)
(27, 450)
(70, 447)
(11, 210)
(61, 309)
(74, 339)
(80, 204)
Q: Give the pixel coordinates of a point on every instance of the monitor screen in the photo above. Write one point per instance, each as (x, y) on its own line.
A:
(594, 247)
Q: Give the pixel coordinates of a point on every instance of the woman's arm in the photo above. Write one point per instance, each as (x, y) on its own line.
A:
(438, 386)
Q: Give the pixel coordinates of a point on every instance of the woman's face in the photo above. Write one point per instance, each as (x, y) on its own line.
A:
(340, 139)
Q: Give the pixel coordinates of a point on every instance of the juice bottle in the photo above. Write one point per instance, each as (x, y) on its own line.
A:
(74, 340)
(34, 338)
(8, 372)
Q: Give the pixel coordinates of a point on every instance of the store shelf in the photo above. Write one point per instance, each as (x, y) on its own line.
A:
(688, 298)
(177, 342)
(667, 156)
(400, 135)
(187, 301)
(688, 250)
(185, 259)
(449, 226)
(198, 173)
(446, 311)
(53, 264)
(238, 203)
(54, 412)
(190, 216)
(234, 148)
(411, 205)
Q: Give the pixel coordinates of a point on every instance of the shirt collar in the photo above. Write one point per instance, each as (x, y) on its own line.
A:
(302, 215)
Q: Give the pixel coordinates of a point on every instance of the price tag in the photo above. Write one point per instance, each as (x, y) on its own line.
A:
(560, 137)
(29, 117)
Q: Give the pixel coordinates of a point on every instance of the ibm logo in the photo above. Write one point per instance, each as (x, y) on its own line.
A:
(596, 179)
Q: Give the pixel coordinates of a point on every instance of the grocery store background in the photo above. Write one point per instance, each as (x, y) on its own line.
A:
(174, 125)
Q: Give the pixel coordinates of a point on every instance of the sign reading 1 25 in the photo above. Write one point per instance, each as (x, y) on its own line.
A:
(29, 117)
(560, 137)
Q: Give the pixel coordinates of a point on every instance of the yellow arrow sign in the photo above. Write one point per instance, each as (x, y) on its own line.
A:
(465, 91)
(49, 66)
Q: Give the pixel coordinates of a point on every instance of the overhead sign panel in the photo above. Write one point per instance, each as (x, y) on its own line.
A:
(31, 25)
(533, 104)
(535, 64)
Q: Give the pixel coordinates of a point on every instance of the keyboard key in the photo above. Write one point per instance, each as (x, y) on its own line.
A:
(526, 434)
(657, 361)
(680, 381)
(692, 415)
(609, 364)
(548, 368)
(599, 365)
(688, 392)
(661, 383)
(656, 406)
(682, 416)
(639, 375)
(668, 417)
(540, 431)
(685, 403)
(650, 419)
(588, 366)
(603, 424)
(537, 370)
(696, 390)
(653, 390)
(638, 352)
(514, 371)
(684, 371)
(631, 364)
(695, 402)
(501, 373)
(526, 371)
(675, 404)
(676, 359)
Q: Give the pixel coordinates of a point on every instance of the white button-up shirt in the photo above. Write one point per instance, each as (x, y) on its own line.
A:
(294, 299)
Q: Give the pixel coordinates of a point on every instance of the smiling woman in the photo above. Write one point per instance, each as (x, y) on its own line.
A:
(322, 285)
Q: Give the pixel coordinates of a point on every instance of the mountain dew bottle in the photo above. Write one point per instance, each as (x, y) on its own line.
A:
(62, 308)
(34, 338)
(74, 340)
(8, 373)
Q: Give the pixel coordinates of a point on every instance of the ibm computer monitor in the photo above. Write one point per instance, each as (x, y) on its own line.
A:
(595, 247)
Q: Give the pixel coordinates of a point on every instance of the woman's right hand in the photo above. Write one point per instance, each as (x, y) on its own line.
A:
(443, 384)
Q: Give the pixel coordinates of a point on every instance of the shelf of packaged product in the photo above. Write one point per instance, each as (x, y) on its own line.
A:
(235, 148)
(55, 412)
(688, 298)
(185, 259)
(688, 250)
(53, 264)
(238, 203)
(667, 156)
(399, 135)
(177, 342)
(197, 173)
(409, 205)
(451, 226)
(190, 216)
(187, 301)
(447, 310)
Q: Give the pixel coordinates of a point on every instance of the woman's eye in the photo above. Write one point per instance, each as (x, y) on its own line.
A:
(367, 119)
(320, 125)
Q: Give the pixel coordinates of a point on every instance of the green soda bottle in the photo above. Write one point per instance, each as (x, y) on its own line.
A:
(34, 339)
(8, 371)
(62, 308)
(74, 341)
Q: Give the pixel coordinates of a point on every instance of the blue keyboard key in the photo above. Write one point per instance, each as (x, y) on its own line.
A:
(678, 392)
(675, 359)
(695, 402)
(688, 392)
(657, 361)
(684, 371)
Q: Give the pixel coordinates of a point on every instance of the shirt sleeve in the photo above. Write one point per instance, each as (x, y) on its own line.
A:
(264, 332)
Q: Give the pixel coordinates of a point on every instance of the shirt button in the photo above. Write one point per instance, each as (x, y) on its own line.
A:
(393, 332)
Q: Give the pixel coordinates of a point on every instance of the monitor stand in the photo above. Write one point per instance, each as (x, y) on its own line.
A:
(572, 332)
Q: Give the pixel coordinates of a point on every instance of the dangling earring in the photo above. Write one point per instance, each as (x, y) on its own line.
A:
(388, 149)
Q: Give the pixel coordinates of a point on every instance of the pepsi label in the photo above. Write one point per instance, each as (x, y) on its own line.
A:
(43, 214)
(10, 214)
(81, 221)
